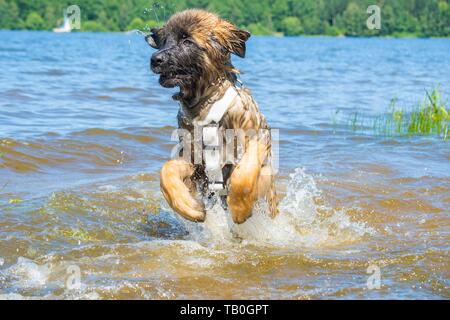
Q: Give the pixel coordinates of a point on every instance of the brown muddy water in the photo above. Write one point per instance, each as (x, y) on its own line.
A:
(84, 129)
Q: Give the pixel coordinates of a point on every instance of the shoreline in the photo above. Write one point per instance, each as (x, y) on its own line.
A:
(275, 35)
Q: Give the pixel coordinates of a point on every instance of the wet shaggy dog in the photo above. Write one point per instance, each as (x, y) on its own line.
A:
(194, 53)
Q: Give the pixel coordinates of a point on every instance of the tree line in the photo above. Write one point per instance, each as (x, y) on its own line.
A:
(423, 18)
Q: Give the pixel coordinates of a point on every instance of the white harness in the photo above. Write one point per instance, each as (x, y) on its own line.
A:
(212, 155)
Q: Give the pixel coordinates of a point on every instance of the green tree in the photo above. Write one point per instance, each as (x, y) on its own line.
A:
(332, 17)
(50, 16)
(279, 10)
(136, 24)
(444, 19)
(388, 23)
(34, 21)
(354, 20)
(258, 29)
(291, 26)
(92, 26)
(9, 15)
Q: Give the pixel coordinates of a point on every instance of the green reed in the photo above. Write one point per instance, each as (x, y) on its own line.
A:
(430, 117)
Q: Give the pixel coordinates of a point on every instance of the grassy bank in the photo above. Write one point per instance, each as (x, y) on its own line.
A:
(430, 117)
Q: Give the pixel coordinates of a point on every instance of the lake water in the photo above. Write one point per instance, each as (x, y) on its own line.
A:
(85, 128)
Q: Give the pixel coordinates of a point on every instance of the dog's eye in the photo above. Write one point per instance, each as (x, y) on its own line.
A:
(186, 39)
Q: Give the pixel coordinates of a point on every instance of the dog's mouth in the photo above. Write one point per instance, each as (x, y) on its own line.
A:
(169, 80)
(172, 79)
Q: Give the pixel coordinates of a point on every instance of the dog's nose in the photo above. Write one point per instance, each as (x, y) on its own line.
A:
(157, 59)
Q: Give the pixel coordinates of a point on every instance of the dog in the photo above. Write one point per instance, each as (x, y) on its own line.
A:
(194, 51)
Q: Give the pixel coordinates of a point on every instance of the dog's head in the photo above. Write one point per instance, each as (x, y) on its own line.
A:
(195, 46)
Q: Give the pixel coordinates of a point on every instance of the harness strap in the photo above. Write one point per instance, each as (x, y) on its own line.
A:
(220, 107)
(212, 154)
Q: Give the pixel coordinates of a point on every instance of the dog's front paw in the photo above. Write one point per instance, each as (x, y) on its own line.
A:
(176, 192)
(184, 204)
(240, 214)
(243, 192)
(240, 202)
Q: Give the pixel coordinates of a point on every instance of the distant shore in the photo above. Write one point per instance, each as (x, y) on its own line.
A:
(350, 18)
(274, 34)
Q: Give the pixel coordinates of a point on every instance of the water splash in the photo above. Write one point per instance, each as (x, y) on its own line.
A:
(301, 222)
(136, 32)
(159, 10)
(28, 274)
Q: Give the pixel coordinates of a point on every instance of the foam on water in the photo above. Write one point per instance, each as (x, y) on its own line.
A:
(300, 222)
(26, 273)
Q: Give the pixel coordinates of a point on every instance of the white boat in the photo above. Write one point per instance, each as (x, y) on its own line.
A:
(66, 27)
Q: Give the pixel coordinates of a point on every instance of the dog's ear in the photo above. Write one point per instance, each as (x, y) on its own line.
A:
(154, 38)
(230, 38)
(237, 42)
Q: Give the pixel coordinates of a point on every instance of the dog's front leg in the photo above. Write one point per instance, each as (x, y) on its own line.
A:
(175, 186)
(244, 182)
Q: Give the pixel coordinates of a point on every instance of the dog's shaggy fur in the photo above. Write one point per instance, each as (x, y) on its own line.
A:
(194, 54)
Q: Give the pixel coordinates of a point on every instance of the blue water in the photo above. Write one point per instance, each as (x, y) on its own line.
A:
(298, 82)
(85, 127)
